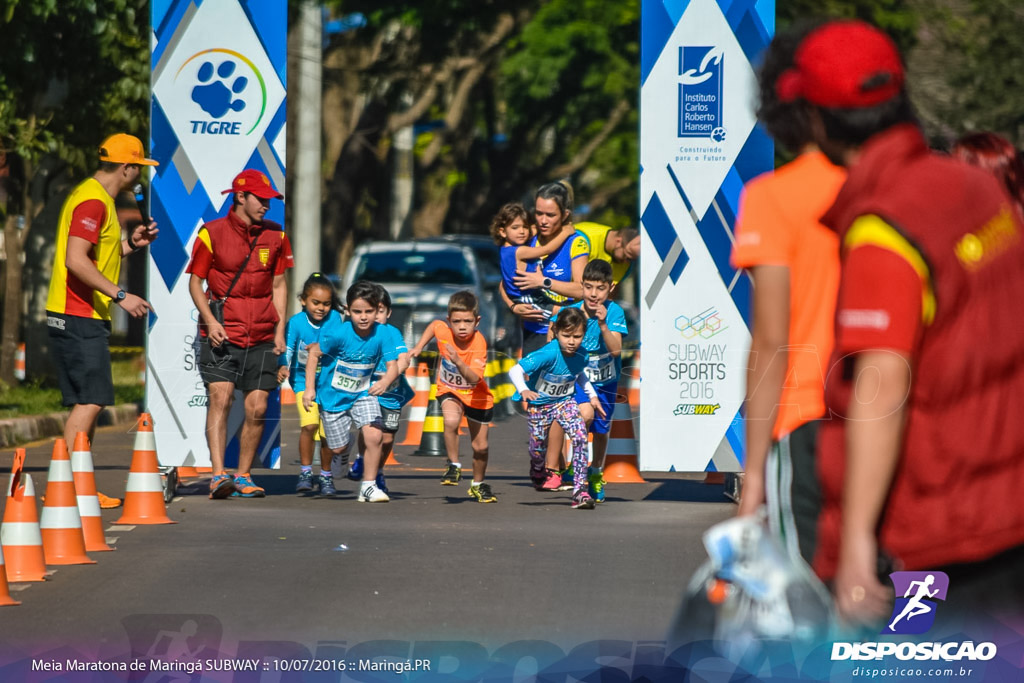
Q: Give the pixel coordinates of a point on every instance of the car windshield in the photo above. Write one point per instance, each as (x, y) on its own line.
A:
(413, 267)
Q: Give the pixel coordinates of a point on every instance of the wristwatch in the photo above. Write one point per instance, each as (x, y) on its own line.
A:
(120, 296)
(547, 283)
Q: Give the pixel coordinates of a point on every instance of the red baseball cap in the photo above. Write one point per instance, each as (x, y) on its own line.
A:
(843, 65)
(255, 182)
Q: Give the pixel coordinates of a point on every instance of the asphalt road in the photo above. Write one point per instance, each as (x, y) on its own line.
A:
(312, 575)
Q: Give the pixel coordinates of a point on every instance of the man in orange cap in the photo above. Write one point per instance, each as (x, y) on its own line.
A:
(242, 258)
(83, 286)
(919, 471)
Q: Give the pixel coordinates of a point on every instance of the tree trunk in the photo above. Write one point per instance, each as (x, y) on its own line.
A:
(12, 298)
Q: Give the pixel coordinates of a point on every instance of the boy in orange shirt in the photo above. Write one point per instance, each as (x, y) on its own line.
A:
(462, 389)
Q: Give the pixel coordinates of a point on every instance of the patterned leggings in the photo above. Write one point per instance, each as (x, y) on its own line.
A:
(567, 414)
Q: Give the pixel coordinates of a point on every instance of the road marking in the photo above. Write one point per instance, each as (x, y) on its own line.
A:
(111, 539)
(121, 527)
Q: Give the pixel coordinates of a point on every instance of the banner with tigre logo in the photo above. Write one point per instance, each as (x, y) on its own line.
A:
(698, 145)
(218, 107)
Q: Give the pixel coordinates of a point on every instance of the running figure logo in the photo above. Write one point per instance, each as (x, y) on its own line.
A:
(914, 612)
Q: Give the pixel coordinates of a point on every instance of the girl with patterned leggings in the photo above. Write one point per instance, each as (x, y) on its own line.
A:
(553, 371)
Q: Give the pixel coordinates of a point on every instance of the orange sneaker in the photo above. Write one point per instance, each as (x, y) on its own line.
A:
(108, 503)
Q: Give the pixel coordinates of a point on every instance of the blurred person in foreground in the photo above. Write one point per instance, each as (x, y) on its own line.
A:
(793, 262)
(919, 470)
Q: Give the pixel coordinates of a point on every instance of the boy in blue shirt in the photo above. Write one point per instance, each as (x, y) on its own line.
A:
(343, 390)
(606, 325)
(396, 396)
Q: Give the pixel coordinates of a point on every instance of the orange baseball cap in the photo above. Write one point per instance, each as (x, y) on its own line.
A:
(253, 181)
(122, 148)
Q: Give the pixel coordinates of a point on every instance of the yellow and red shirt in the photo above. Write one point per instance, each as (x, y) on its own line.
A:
(88, 213)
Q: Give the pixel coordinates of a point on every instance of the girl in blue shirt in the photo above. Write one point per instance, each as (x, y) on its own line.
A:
(553, 372)
(319, 304)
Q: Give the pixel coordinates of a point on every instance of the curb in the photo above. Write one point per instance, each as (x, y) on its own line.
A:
(18, 430)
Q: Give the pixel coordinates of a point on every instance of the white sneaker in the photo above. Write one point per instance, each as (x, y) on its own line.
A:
(372, 494)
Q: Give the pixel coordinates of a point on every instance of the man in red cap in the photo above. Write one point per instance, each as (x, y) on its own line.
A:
(242, 258)
(84, 284)
(919, 470)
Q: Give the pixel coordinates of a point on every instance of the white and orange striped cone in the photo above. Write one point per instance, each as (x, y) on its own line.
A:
(20, 538)
(88, 503)
(620, 463)
(5, 590)
(60, 523)
(420, 382)
(144, 493)
(287, 394)
(19, 362)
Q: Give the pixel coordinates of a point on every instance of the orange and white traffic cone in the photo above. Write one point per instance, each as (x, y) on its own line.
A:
(287, 394)
(432, 437)
(188, 472)
(88, 503)
(620, 463)
(5, 590)
(60, 523)
(19, 362)
(144, 493)
(418, 407)
(20, 537)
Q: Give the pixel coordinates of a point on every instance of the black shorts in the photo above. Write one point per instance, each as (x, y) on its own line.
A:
(81, 351)
(390, 419)
(251, 369)
(481, 415)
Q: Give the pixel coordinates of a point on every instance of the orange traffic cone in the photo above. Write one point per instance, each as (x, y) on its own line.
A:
(188, 472)
(144, 493)
(20, 538)
(620, 464)
(287, 394)
(418, 407)
(88, 502)
(60, 523)
(5, 591)
(19, 362)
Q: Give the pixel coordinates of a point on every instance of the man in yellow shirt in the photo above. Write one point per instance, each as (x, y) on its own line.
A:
(86, 270)
(618, 246)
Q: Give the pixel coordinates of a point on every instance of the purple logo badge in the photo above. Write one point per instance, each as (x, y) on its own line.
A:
(916, 593)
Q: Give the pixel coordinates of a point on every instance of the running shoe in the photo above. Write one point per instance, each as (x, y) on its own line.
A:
(372, 494)
(305, 483)
(451, 476)
(482, 493)
(222, 486)
(382, 483)
(567, 480)
(552, 481)
(245, 488)
(537, 477)
(355, 472)
(108, 503)
(326, 485)
(581, 500)
(595, 485)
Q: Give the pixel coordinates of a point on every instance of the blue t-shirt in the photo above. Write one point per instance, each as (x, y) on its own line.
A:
(508, 271)
(552, 374)
(602, 367)
(399, 393)
(558, 266)
(300, 332)
(347, 364)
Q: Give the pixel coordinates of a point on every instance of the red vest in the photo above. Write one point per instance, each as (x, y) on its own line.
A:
(956, 495)
(249, 314)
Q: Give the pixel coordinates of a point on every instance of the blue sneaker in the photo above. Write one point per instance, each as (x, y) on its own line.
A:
(305, 483)
(595, 485)
(245, 488)
(326, 485)
(355, 472)
(382, 483)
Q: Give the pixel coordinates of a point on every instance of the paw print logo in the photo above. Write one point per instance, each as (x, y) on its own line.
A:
(214, 94)
(718, 134)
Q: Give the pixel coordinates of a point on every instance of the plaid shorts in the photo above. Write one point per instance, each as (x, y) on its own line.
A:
(365, 411)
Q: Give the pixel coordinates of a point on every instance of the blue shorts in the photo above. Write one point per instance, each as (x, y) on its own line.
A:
(606, 393)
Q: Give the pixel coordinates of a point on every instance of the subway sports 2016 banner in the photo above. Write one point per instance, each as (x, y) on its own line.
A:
(698, 146)
(218, 107)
